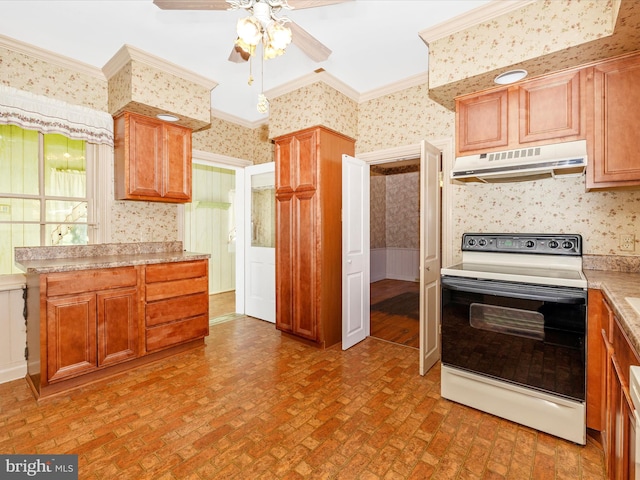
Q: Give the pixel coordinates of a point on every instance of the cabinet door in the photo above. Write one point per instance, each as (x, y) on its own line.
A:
(177, 163)
(71, 336)
(550, 108)
(145, 156)
(305, 276)
(117, 326)
(284, 258)
(622, 424)
(616, 117)
(481, 122)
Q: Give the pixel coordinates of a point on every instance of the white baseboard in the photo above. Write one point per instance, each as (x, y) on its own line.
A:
(9, 373)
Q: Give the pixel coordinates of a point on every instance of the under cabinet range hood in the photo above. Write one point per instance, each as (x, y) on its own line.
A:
(530, 163)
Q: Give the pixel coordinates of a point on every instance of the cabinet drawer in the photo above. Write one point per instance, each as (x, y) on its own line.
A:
(170, 334)
(176, 308)
(177, 288)
(163, 272)
(66, 283)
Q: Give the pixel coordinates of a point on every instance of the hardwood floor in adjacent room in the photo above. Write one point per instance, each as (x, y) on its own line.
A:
(395, 306)
(253, 404)
(221, 304)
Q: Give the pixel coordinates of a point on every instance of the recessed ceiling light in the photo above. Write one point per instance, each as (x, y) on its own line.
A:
(511, 76)
(167, 117)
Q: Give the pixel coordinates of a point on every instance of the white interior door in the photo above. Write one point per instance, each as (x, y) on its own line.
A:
(355, 251)
(260, 236)
(430, 256)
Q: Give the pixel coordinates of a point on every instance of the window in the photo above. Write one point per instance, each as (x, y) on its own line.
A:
(45, 198)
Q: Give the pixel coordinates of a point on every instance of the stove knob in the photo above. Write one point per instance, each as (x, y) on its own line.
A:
(471, 242)
(553, 244)
(567, 244)
(530, 244)
(482, 242)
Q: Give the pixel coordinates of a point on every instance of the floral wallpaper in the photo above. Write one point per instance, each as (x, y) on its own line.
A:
(312, 105)
(147, 90)
(227, 138)
(133, 221)
(37, 76)
(398, 119)
(542, 37)
(558, 205)
(395, 210)
(403, 118)
(531, 32)
(378, 211)
(403, 210)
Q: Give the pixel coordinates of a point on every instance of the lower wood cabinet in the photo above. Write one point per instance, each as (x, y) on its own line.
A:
(177, 303)
(611, 412)
(84, 324)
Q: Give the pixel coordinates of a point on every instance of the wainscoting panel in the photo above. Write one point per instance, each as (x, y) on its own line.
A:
(378, 264)
(14, 333)
(395, 263)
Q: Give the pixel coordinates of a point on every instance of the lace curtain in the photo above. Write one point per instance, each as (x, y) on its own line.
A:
(48, 115)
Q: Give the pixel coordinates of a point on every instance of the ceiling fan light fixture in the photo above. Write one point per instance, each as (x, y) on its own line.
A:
(249, 31)
(250, 49)
(279, 35)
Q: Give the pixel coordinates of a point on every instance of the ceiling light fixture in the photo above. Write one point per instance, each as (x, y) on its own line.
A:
(511, 76)
(262, 27)
(167, 117)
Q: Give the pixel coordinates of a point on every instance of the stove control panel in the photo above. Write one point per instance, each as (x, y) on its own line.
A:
(545, 244)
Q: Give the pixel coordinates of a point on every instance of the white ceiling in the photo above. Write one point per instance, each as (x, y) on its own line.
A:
(375, 43)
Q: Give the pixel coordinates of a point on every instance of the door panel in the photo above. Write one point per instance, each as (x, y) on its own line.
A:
(430, 255)
(260, 265)
(355, 251)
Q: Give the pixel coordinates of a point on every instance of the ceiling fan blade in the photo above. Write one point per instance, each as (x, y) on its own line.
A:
(298, 4)
(191, 4)
(308, 43)
(238, 55)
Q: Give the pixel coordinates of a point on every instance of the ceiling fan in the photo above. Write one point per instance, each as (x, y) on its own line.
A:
(265, 12)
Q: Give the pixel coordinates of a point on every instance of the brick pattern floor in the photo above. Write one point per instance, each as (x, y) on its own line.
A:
(253, 404)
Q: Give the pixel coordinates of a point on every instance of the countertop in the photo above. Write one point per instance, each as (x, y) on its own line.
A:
(41, 260)
(616, 286)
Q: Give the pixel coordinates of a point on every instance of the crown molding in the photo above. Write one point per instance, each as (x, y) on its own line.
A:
(50, 57)
(227, 117)
(128, 53)
(311, 78)
(413, 81)
(472, 18)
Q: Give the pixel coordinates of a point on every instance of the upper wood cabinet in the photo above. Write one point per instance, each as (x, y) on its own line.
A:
(152, 159)
(308, 233)
(613, 99)
(544, 110)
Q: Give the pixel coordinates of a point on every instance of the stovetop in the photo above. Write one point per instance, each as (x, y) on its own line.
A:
(540, 259)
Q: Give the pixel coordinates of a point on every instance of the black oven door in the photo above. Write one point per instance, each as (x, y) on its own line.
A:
(530, 335)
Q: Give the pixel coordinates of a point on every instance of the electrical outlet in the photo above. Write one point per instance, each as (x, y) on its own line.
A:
(627, 242)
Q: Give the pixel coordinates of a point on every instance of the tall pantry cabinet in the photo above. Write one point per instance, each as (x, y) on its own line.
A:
(308, 233)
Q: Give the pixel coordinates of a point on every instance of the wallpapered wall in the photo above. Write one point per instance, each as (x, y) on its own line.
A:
(398, 119)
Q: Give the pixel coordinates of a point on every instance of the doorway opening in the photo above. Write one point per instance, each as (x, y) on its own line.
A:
(395, 251)
(210, 227)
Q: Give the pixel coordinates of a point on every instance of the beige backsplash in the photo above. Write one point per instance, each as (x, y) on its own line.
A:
(550, 206)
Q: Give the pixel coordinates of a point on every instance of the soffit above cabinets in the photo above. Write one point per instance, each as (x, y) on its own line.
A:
(541, 37)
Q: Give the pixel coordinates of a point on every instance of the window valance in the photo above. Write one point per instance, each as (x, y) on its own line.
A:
(48, 115)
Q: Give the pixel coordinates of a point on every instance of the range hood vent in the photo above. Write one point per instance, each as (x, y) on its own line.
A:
(531, 163)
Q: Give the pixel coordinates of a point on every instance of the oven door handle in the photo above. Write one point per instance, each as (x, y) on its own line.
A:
(525, 291)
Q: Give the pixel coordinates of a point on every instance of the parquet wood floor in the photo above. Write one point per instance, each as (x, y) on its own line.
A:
(253, 404)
